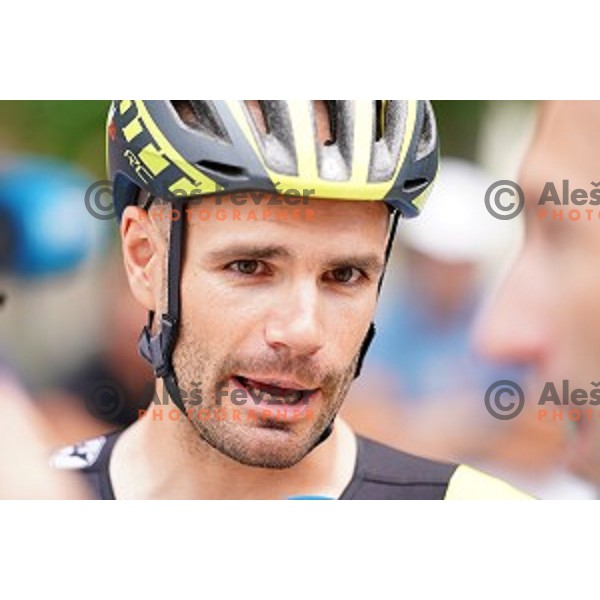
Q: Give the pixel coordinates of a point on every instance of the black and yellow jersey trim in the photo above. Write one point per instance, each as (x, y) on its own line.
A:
(381, 473)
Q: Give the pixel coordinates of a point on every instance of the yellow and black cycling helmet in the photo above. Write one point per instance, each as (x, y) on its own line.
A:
(175, 150)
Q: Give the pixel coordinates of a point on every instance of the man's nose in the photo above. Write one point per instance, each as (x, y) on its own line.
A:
(295, 324)
(514, 326)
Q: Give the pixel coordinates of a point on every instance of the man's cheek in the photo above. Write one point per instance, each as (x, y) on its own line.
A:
(352, 341)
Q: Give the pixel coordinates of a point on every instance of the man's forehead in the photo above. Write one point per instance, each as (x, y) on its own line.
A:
(322, 229)
(311, 215)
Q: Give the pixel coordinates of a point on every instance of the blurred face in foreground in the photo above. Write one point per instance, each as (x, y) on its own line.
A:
(547, 313)
(274, 312)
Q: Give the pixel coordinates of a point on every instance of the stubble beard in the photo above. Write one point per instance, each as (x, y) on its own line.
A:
(271, 445)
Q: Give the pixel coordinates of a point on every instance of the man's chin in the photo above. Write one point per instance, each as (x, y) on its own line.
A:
(270, 456)
(264, 447)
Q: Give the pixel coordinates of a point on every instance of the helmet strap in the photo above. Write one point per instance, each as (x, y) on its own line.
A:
(395, 217)
(158, 349)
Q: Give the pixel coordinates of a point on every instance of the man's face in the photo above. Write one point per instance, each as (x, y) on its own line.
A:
(275, 311)
(546, 315)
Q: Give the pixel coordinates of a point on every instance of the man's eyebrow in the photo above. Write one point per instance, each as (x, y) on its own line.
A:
(248, 252)
(365, 262)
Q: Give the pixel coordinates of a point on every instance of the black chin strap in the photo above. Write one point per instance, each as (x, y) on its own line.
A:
(158, 349)
(395, 217)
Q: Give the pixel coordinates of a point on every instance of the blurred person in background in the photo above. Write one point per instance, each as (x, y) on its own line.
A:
(33, 193)
(422, 375)
(110, 388)
(25, 445)
(47, 243)
(545, 317)
(47, 240)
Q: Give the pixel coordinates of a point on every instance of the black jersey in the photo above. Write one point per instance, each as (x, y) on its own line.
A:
(380, 473)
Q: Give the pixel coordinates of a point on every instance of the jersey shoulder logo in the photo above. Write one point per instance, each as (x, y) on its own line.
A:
(78, 456)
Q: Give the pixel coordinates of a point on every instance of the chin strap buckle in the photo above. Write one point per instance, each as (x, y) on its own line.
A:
(157, 349)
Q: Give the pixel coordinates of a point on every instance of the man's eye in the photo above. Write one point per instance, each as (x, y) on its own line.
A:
(345, 275)
(246, 267)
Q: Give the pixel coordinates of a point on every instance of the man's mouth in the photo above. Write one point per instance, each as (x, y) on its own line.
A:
(277, 390)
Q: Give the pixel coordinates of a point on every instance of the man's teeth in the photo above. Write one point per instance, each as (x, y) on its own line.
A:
(286, 395)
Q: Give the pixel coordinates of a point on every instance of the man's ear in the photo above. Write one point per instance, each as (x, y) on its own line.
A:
(143, 254)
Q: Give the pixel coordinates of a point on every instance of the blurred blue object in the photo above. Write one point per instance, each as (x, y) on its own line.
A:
(312, 497)
(45, 228)
(426, 358)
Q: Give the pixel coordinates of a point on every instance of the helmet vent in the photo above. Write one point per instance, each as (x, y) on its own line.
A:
(200, 115)
(255, 108)
(426, 143)
(229, 171)
(379, 119)
(272, 128)
(333, 122)
(414, 185)
(325, 112)
(388, 135)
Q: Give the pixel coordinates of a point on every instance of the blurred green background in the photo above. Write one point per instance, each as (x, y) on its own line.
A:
(69, 129)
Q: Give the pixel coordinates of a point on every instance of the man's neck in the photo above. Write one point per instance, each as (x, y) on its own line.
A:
(153, 460)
